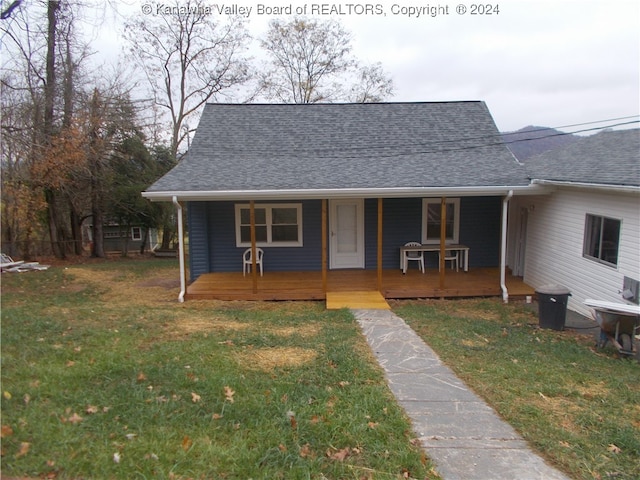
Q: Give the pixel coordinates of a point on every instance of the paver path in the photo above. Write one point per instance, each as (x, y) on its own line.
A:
(463, 436)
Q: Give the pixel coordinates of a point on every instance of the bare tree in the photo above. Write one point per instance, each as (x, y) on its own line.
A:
(188, 59)
(311, 61)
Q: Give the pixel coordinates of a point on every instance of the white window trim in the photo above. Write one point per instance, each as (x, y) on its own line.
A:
(137, 237)
(585, 240)
(269, 207)
(456, 220)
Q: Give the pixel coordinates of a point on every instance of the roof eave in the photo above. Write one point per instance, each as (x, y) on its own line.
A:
(318, 194)
(595, 186)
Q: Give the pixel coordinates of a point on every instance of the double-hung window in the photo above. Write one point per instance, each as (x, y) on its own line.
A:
(277, 224)
(601, 239)
(432, 221)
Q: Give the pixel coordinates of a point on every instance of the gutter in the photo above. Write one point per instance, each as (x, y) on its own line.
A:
(183, 283)
(596, 186)
(321, 194)
(503, 247)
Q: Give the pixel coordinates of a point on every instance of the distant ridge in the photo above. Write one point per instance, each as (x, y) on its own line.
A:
(532, 140)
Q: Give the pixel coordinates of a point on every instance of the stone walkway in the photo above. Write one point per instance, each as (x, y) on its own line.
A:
(463, 436)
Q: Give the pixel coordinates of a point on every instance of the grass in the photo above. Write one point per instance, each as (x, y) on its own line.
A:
(579, 407)
(105, 375)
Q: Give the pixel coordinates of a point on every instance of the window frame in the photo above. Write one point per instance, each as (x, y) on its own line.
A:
(594, 221)
(268, 207)
(456, 221)
(136, 234)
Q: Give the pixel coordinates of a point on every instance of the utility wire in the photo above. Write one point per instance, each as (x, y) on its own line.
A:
(440, 146)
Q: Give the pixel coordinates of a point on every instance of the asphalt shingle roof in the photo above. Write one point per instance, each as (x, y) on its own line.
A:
(607, 158)
(253, 147)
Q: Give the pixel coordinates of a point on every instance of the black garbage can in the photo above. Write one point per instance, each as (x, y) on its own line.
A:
(552, 306)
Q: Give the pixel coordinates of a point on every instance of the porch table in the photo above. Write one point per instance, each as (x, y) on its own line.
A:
(435, 248)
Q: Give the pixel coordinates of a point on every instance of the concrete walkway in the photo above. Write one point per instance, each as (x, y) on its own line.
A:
(463, 436)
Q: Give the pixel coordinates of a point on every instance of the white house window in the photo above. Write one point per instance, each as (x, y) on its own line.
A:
(602, 239)
(136, 233)
(278, 224)
(431, 221)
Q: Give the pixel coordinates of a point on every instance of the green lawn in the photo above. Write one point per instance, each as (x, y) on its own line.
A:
(105, 375)
(578, 406)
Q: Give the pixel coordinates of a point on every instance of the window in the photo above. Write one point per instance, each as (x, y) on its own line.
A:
(136, 233)
(431, 209)
(601, 239)
(278, 224)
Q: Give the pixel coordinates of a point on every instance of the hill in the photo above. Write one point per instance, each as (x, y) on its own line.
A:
(532, 140)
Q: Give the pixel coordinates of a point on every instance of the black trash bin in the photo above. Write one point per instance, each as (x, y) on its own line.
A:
(552, 306)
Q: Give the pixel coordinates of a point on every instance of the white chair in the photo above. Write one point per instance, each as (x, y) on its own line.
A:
(416, 256)
(247, 261)
(452, 256)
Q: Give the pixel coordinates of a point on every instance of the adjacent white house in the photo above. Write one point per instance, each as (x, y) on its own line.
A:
(585, 233)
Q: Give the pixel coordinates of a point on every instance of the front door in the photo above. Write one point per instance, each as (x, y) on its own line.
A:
(346, 230)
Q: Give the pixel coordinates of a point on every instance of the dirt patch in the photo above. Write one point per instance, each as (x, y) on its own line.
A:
(268, 359)
(194, 323)
(120, 288)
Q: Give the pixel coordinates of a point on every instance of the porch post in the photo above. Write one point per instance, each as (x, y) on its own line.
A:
(252, 220)
(503, 247)
(183, 273)
(379, 244)
(324, 246)
(443, 238)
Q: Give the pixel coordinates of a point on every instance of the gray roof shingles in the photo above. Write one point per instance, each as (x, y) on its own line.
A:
(606, 158)
(255, 147)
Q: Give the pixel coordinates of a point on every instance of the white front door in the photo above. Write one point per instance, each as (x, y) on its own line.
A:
(346, 230)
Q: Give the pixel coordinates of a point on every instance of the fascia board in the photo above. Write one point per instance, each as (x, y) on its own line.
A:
(343, 193)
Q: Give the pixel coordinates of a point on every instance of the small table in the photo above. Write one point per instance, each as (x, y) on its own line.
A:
(435, 248)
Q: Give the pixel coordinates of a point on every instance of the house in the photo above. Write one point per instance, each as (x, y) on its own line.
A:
(120, 238)
(335, 190)
(584, 233)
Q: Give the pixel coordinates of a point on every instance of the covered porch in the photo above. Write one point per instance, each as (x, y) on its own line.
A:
(310, 285)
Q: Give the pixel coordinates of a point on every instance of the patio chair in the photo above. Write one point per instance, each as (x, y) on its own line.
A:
(247, 261)
(452, 256)
(415, 256)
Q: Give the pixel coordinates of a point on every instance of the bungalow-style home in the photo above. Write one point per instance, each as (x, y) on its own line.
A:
(323, 198)
(584, 233)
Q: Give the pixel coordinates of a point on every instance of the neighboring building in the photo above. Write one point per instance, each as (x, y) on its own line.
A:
(584, 234)
(118, 238)
(369, 176)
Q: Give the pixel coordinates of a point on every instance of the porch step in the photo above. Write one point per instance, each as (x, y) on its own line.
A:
(356, 299)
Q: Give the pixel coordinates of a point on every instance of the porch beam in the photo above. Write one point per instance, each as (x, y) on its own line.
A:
(379, 284)
(324, 245)
(252, 221)
(443, 238)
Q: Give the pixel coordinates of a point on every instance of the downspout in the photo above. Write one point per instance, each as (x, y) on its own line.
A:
(183, 286)
(503, 247)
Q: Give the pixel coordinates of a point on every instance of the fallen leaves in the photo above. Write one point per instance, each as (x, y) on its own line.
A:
(614, 448)
(228, 394)
(24, 449)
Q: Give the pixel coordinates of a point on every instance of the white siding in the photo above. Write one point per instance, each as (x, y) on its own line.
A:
(555, 236)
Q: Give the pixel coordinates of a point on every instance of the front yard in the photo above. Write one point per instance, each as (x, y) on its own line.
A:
(105, 375)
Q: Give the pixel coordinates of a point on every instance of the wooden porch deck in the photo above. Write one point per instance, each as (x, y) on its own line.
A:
(477, 282)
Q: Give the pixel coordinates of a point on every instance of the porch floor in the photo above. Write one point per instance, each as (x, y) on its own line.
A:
(477, 282)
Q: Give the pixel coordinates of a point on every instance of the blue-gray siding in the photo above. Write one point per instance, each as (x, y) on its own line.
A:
(212, 237)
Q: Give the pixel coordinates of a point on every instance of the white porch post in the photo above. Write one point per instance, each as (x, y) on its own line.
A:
(183, 281)
(503, 247)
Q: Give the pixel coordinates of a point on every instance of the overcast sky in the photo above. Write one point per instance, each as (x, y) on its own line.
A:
(540, 62)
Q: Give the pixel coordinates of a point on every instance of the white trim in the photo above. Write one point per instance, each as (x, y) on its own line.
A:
(321, 194)
(138, 237)
(269, 224)
(595, 186)
(456, 220)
